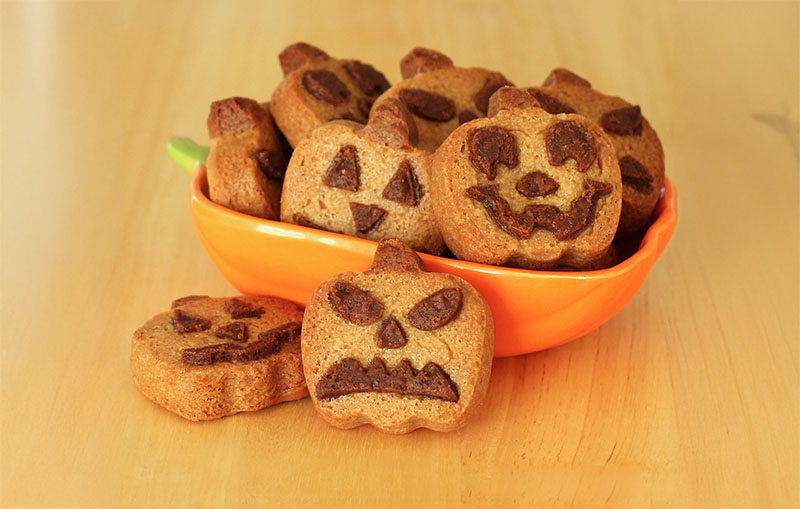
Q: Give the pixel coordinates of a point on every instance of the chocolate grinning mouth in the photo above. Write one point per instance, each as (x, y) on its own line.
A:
(348, 377)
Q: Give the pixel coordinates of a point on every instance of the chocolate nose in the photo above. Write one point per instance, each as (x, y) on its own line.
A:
(536, 184)
(366, 217)
(391, 334)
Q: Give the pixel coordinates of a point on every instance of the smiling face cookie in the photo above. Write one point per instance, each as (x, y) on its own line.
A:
(526, 188)
(318, 88)
(641, 158)
(441, 96)
(397, 346)
(366, 181)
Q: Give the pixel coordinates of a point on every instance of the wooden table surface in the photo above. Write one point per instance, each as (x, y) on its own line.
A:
(689, 397)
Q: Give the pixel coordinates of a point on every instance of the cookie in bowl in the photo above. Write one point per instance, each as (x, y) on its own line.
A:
(208, 358)
(366, 181)
(526, 188)
(248, 158)
(440, 95)
(641, 157)
(318, 88)
(397, 346)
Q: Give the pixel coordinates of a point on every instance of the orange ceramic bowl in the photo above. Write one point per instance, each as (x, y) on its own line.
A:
(533, 310)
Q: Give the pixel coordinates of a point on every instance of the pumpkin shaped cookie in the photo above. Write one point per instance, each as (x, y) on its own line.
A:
(366, 181)
(396, 346)
(207, 357)
(317, 88)
(641, 157)
(525, 188)
(440, 95)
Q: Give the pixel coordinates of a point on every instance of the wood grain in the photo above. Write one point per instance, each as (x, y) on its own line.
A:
(689, 397)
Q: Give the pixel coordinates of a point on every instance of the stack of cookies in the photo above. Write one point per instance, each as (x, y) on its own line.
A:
(448, 160)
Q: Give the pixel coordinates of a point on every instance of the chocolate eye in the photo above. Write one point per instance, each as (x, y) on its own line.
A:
(404, 187)
(490, 147)
(436, 310)
(569, 139)
(354, 304)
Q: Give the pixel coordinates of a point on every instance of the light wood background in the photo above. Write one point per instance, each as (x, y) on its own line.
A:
(689, 397)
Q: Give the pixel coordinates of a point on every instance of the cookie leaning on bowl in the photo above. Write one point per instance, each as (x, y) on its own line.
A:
(248, 158)
(212, 357)
(440, 95)
(318, 88)
(641, 157)
(525, 188)
(366, 181)
(396, 346)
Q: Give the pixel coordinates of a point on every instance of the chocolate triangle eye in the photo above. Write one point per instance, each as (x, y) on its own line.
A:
(344, 170)
(404, 187)
(436, 310)
(354, 304)
(391, 334)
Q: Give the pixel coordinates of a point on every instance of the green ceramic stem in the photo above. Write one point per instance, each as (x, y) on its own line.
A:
(187, 153)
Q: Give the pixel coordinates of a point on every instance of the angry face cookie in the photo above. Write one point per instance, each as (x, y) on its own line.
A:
(397, 346)
(525, 188)
(440, 95)
(641, 158)
(366, 181)
(318, 88)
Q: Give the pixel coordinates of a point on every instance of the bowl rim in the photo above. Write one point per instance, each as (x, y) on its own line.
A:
(665, 218)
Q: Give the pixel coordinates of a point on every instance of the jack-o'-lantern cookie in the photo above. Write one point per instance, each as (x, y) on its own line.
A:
(440, 95)
(366, 181)
(396, 346)
(317, 88)
(248, 158)
(641, 158)
(525, 188)
(211, 357)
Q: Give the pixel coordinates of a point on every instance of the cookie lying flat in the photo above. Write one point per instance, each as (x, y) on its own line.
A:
(317, 88)
(248, 158)
(396, 346)
(440, 95)
(212, 357)
(641, 158)
(525, 188)
(366, 181)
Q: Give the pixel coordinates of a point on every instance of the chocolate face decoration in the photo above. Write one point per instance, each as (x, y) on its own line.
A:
(369, 182)
(266, 344)
(362, 309)
(493, 147)
(324, 85)
(345, 173)
(525, 188)
(397, 346)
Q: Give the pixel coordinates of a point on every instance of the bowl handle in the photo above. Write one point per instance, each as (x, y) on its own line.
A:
(187, 153)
